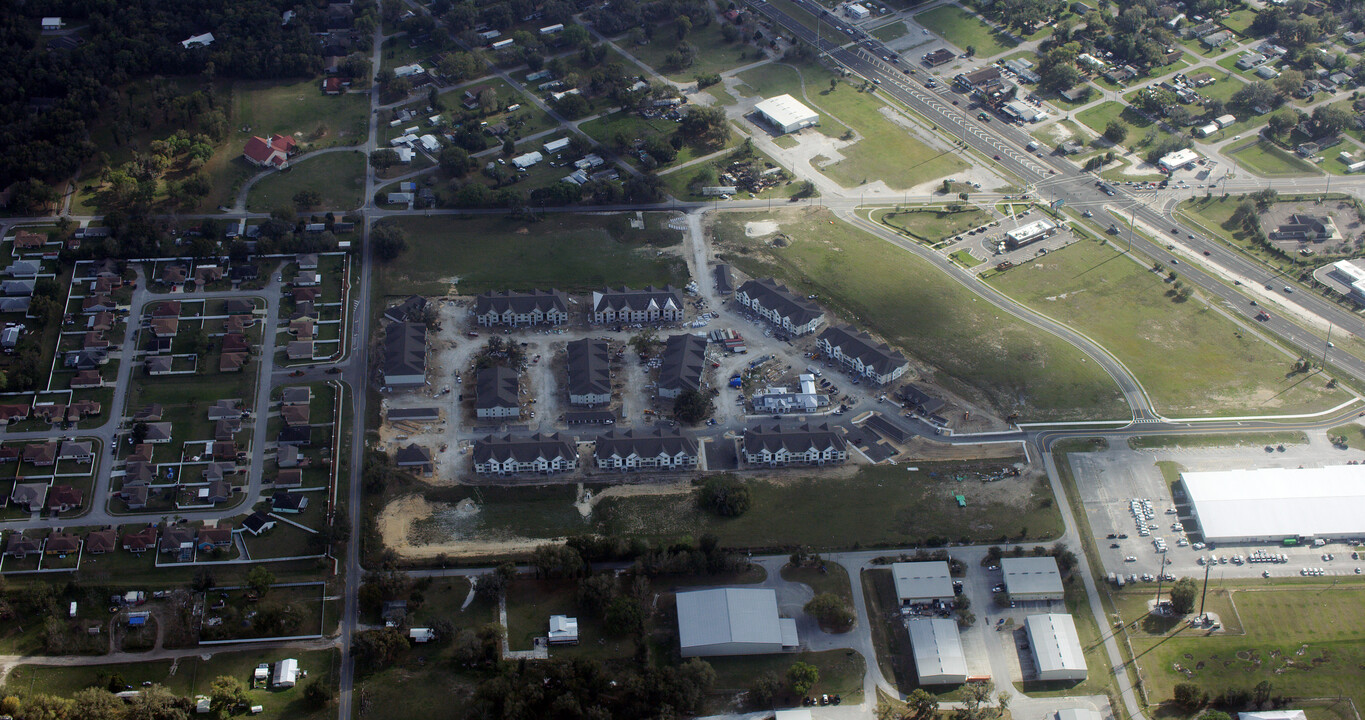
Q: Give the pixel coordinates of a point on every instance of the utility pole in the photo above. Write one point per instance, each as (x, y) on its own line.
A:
(1326, 345)
(1206, 590)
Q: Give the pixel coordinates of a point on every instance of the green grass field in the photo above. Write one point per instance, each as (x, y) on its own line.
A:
(631, 127)
(934, 225)
(1266, 160)
(1306, 640)
(569, 252)
(885, 151)
(841, 673)
(1194, 440)
(890, 31)
(968, 346)
(298, 109)
(1191, 359)
(1097, 118)
(963, 28)
(338, 178)
(1354, 434)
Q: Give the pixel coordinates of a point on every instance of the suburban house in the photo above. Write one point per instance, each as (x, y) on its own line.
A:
(76, 451)
(211, 538)
(28, 496)
(806, 444)
(274, 152)
(779, 306)
(140, 541)
(295, 415)
(100, 542)
(657, 449)
(649, 305)
(684, 363)
(538, 307)
(258, 522)
(41, 454)
(405, 355)
(21, 546)
(291, 477)
(297, 395)
(508, 455)
(861, 355)
(289, 503)
(496, 393)
(177, 540)
(589, 368)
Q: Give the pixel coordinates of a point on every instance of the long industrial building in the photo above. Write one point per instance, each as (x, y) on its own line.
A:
(1275, 504)
(922, 582)
(733, 621)
(939, 659)
(1057, 653)
(1032, 578)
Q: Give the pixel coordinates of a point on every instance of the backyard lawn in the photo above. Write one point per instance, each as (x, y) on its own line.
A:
(965, 344)
(338, 178)
(569, 252)
(963, 29)
(1190, 358)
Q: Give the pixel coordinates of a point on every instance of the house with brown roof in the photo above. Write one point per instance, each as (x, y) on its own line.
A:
(295, 415)
(235, 342)
(77, 451)
(141, 452)
(225, 450)
(305, 309)
(86, 379)
(164, 327)
(305, 294)
(232, 362)
(214, 537)
(50, 412)
(226, 429)
(158, 432)
(299, 350)
(174, 275)
(289, 478)
(177, 540)
(138, 473)
(301, 329)
(106, 285)
(26, 240)
(21, 545)
(97, 303)
(140, 541)
(94, 340)
(102, 321)
(240, 323)
(64, 498)
(167, 308)
(13, 413)
(205, 274)
(82, 409)
(269, 152)
(219, 491)
(41, 454)
(28, 496)
(60, 543)
(9, 453)
(100, 542)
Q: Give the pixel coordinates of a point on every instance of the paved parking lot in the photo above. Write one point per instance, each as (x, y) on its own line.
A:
(1110, 480)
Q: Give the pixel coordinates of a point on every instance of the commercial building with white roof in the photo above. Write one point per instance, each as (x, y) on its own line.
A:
(1032, 232)
(1350, 274)
(1272, 504)
(733, 621)
(1178, 159)
(786, 113)
(1032, 578)
(922, 582)
(1273, 715)
(1078, 714)
(939, 659)
(1056, 647)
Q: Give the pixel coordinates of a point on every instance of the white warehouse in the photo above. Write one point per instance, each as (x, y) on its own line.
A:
(733, 621)
(1272, 504)
(1056, 647)
(1032, 578)
(786, 113)
(922, 582)
(939, 659)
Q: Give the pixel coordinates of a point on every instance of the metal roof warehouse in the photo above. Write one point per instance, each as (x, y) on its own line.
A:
(1272, 504)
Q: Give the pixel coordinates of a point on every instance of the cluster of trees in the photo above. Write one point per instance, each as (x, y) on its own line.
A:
(1190, 698)
(832, 612)
(1066, 559)
(586, 689)
(692, 406)
(725, 496)
(1024, 16)
(124, 40)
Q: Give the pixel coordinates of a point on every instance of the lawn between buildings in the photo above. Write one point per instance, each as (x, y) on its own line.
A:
(1306, 639)
(1191, 359)
(884, 150)
(189, 676)
(338, 179)
(967, 345)
(1263, 158)
(713, 54)
(574, 253)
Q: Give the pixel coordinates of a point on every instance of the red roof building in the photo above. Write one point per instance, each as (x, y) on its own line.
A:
(274, 152)
(331, 86)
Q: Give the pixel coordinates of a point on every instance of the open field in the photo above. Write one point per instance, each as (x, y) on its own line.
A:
(869, 507)
(1354, 434)
(1306, 640)
(1097, 118)
(569, 252)
(1266, 160)
(1191, 359)
(338, 178)
(884, 151)
(966, 344)
(964, 29)
(841, 673)
(299, 109)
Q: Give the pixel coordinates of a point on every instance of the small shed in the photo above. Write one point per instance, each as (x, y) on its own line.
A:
(563, 630)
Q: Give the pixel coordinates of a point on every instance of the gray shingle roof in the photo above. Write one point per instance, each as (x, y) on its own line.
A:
(523, 449)
(496, 387)
(684, 361)
(405, 350)
(777, 297)
(589, 366)
(644, 443)
(519, 302)
(624, 298)
(795, 439)
(879, 356)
